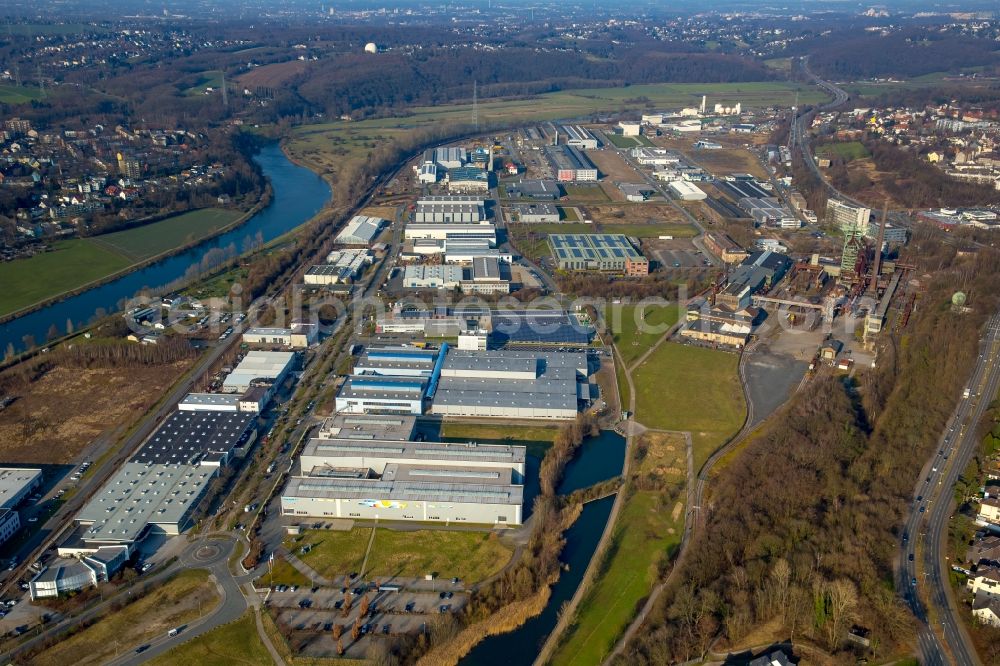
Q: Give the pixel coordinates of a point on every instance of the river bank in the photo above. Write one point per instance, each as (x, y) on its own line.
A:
(262, 202)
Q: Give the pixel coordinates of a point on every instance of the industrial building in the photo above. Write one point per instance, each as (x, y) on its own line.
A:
(66, 575)
(422, 276)
(538, 328)
(210, 402)
(141, 498)
(299, 336)
(769, 211)
(341, 266)
(570, 165)
(655, 156)
(893, 235)
(547, 190)
(628, 128)
(427, 174)
(719, 324)
(486, 278)
(360, 230)
(376, 394)
(396, 362)
(448, 231)
(602, 252)
(15, 485)
(259, 367)
(467, 251)
(846, 216)
(460, 213)
(536, 213)
(686, 191)
(724, 247)
(205, 438)
(511, 384)
(468, 179)
(450, 157)
(579, 137)
(759, 271)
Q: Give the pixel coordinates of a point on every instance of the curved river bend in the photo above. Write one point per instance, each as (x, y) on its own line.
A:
(298, 194)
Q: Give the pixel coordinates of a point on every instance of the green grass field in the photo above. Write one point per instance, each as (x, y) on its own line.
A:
(619, 141)
(586, 193)
(691, 388)
(283, 573)
(568, 214)
(631, 342)
(12, 94)
(74, 263)
(152, 239)
(71, 264)
(644, 533)
(233, 643)
(471, 556)
(848, 150)
(169, 605)
(208, 79)
(537, 439)
(648, 230)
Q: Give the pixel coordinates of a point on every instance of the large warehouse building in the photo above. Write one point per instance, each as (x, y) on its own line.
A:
(447, 231)
(369, 467)
(360, 230)
(570, 164)
(511, 384)
(601, 252)
(259, 366)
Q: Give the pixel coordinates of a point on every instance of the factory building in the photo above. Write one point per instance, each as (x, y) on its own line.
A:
(468, 179)
(375, 394)
(451, 157)
(570, 165)
(206, 438)
(396, 362)
(759, 271)
(421, 493)
(630, 128)
(536, 213)
(341, 266)
(724, 247)
(893, 235)
(686, 191)
(299, 336)
(427, 174)
(210, 402)
(769, 211)
(450, 231)
(15, 485)
(579, 137)
(66, 575)
(466, 252)
(421, 276)
(460, 213)
(538, 327)
(655, 156)
(360, 230)
(602, 252)
(847, 217)
(486, 278)
(259, 367)
(546, 190)
(512, 384)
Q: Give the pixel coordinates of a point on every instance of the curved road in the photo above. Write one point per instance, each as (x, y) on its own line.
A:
(926, 527)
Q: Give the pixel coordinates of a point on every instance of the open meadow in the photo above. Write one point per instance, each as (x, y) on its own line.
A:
(74, 263)
(646, 535)
(681, 387)
(470, 556)
(625, 322)
(234, 643)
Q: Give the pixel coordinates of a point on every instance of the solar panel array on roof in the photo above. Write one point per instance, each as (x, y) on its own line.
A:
(189, 436)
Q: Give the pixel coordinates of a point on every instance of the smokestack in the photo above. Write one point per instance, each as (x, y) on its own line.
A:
(704, 100)
(877, 264)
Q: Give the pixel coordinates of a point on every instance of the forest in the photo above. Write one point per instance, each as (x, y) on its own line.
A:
(804, 520)
(853, 54)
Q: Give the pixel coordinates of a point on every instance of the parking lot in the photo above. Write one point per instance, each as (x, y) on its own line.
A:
(389, 613)
(676, 253)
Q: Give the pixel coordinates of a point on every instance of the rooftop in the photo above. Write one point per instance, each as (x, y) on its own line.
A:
(188, 437)
(446, 452)
(12, 481)
(442, 490)
(368, 427)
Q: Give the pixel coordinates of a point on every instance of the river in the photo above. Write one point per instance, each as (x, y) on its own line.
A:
(298, 194)
(599, 458)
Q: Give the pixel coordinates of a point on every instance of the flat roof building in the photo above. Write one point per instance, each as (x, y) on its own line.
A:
(360, 230)
(450, 157)
(686, 191)
(422, 276)
(299, 336)
(396, 362)
(375, 394)
(457, 213)
(446, 231)
(197, 437)
(16, 483)
(511, 384)
(547, 190)
(259, 366)
(536, 213)
(384, 427)
(141, 497)
(604, 252)
(210, 402)
(579, 137)
(570, 164)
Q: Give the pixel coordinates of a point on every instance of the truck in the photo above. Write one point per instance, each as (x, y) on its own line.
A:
(967, 393)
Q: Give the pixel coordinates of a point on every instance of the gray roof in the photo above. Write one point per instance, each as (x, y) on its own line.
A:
(139, 495)
(12, 482)
(396, 427)
(451, 490)
(212, 399)
(430, 451)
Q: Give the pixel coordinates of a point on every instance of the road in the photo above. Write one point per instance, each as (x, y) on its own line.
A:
(926, 528)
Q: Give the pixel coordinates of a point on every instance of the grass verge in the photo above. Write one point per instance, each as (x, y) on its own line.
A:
(233, 643)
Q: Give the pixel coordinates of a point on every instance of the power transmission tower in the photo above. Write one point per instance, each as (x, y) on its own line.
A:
(475, 104)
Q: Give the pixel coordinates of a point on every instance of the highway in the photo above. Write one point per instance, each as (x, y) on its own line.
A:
(925, 534)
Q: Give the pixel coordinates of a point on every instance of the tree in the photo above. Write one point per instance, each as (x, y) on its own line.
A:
(356, 629)
(364, 606)
(338, 629)
(340, 647)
